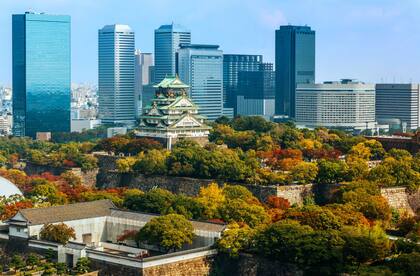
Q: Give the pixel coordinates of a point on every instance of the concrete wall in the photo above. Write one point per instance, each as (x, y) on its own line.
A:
(94, 226)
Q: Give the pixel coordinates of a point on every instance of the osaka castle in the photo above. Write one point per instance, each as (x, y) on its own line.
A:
(172, 115)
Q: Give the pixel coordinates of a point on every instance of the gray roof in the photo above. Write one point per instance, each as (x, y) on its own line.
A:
(198, 225)
(84, 210)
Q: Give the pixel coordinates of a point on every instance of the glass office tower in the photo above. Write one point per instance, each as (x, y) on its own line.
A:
(41, 73)
(167, 41)
(256, 92)
(116, 75)
(295, 64)
(201, 67)
(232, 65)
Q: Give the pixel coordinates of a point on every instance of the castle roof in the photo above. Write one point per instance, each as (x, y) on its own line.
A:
(171, 82)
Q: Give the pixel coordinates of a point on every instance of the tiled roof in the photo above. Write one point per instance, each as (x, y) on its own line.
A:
(171, 82)
(137, 216)
(84, 210)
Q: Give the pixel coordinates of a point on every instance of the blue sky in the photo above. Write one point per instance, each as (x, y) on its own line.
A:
(370, 40)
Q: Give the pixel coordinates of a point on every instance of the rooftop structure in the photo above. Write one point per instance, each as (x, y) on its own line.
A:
(172, 115)
(98, 226)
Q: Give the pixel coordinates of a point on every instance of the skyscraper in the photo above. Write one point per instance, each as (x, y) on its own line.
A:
(116, 75)
(256, 92)
(398, 105)
(142, 76)
(167, 41)
(232, 65)
(295, 64)
(41, 73)
(201, 67)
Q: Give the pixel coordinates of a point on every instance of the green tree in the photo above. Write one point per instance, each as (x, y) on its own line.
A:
(238, 210)
(236, 239)
(170, 232)
(60, 233)
(32, 260)
(61, 268)
(17, 262)
(153, 162)
(303, 173)
(331, 172)
(154, 201)
(82, 265)
(125, 165)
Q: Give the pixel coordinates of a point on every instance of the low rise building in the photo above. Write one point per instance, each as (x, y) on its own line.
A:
(97, 226)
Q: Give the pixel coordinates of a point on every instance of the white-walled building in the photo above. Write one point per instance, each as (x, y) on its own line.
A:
(398, 104)
(346, 104)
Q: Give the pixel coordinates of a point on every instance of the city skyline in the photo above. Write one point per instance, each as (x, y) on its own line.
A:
(370, 40)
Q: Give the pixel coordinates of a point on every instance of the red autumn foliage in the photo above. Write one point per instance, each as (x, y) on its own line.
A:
(11, 209)
(69, 163)
(278, 202)
(216, 220)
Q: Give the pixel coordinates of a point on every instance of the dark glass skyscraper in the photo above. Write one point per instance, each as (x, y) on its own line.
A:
(232, 65)
(41, 73)
(256, 91)
(167, 41)
(295, 63)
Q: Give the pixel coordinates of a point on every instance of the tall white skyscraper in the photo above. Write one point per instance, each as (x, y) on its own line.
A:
(167, 41)
(143, 76)
(116, 75)
(201, 67)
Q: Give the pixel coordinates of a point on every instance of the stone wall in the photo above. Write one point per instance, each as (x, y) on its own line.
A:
(196, 266)
(251, 265)
(295, 193)
(399, 198)
(88, 177)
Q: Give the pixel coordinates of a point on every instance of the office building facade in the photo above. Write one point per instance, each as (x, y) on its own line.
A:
(256, 92)
(41, 73)
(346, 104)
(143, 76)
(295, 64)
(167, 41)
(232, 65)
(116, 79)
(398, 104)
(201, 67)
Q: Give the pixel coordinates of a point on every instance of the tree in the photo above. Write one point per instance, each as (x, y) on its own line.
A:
(153, 162)
(361, 151)
(280, 240)
(32, 260)
(187, 206)
(238, 192)
(60, 233)
(170, 232)
(238, 210)
(17, 262)
(303, 173)
(125, 165)
(61, 268)
(82, 265)
(235, 239)
(331, 172)
(155, 201)
(318, 218)
(212, 198)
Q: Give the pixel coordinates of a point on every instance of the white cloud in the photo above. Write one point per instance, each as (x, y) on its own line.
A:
(273, 18)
